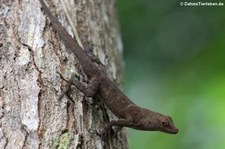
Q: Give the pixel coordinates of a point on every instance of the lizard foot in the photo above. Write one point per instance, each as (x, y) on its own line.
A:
(68, 86)
(115, 131)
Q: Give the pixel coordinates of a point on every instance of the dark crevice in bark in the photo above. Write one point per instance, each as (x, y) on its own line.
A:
(26, 135)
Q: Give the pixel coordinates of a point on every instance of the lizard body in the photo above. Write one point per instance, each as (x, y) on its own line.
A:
(129, 114)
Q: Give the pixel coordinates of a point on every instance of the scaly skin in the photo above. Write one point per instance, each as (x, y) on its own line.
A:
(129, 114)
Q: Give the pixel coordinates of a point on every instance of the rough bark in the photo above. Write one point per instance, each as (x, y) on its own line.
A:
(31, 54)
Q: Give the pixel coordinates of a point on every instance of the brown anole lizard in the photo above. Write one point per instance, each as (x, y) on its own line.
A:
(129, 114)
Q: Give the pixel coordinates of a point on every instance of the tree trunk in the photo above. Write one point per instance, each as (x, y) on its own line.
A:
(31, 56)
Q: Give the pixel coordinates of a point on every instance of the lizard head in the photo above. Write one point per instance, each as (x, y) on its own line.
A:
(153, 121)
(165, 124)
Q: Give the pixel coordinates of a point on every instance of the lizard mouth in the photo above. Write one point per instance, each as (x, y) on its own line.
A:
(175, 131)
(171, 131)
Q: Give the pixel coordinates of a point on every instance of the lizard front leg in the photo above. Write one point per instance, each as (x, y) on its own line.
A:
(120, 122)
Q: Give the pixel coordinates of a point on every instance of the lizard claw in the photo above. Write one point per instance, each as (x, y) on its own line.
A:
(100, 133)
(115, 131)
(104, 131)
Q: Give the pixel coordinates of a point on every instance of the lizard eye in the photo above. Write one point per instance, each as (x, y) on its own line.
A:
(163, 123)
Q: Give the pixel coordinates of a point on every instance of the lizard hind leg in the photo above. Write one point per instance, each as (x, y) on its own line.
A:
(100, 65)
(94, 58)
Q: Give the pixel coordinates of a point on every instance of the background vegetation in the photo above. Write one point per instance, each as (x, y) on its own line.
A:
(175, 64)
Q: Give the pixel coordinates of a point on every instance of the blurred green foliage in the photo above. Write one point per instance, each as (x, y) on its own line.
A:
(175, 64)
